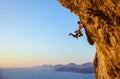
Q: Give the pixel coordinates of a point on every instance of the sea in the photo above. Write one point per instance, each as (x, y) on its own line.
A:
(31, 73)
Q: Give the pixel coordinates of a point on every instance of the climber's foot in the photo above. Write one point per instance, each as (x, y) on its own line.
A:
(70, 34)
(80, 35)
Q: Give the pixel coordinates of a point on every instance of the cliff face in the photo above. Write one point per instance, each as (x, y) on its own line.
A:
(101, 20)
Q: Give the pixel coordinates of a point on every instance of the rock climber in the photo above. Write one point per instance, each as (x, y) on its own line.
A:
(78, 32)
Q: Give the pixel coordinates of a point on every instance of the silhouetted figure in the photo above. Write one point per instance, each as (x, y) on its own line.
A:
(78, 33)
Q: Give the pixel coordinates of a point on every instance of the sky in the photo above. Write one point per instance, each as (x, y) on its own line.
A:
(35, 32)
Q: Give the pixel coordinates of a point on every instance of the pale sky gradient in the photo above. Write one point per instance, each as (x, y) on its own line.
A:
(35, 32)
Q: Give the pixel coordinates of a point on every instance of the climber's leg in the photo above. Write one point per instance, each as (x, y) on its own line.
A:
(76, 35)
(80, 34)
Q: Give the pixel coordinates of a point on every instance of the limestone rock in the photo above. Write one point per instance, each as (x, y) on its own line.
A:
(101, 20)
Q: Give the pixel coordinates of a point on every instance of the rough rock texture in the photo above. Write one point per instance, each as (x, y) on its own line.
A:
(101, 20)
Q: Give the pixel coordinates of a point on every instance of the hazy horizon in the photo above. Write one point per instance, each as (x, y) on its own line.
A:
(36, 32)
(32, 66)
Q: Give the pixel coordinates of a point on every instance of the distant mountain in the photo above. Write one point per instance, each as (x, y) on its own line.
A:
(57, 66)
(71, 67)
(88, 64)
(84, 68)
